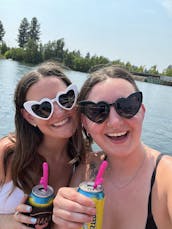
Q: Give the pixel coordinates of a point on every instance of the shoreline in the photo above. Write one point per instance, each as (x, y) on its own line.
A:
(162, 80)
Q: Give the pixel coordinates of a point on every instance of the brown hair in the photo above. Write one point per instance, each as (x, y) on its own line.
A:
(102, 74)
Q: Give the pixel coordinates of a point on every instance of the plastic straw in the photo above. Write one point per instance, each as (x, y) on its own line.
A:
(99, 177)
(44, 178)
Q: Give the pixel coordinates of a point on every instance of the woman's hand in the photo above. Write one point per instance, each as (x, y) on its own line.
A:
(72, 209)
(20, 216)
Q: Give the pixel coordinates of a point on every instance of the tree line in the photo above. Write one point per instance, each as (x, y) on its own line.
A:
(31, 50)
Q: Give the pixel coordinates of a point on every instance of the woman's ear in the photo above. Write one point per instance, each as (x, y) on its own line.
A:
(143, 110)
(143, 107)
(28, 117)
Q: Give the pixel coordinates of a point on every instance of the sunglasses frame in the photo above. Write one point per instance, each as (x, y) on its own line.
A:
(84, 103)
(28, 104)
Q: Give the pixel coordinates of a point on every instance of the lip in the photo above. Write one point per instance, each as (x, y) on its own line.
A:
(119, 137)
(61, 123)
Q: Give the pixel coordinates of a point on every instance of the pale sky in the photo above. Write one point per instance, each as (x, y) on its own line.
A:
(138, 31)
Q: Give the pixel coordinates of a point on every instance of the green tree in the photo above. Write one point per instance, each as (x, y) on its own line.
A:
(2, 32)
(81, 64)
(87, 56)
(49, 50)
(54, 50)
(23, 35)
(34, 32)
(15, 54)
(168, 71)
(98, 60)
(3, 48)
(33, 53)
(153, 70)
(69, 59)
(60, 49)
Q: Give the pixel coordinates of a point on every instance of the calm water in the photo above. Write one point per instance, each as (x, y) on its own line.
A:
(157, 126)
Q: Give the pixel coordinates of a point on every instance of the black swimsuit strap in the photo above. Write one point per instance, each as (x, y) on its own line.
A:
(150, 220)
(153, 180)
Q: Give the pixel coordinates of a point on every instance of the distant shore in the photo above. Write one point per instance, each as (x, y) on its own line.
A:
(162, 80)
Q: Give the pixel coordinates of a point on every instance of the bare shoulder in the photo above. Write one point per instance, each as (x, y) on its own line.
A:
(6, 144)
(164, 186)
(164, 168)
(165, 159)
(164, 172)
(166, 162)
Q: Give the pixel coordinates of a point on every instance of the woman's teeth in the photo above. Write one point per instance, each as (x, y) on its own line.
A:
(61, 123)
(117, 134)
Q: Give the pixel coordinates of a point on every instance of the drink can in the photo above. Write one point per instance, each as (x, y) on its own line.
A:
(97, 194)
(41, 201)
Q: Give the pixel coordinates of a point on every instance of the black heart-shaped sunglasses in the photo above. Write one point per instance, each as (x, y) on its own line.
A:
(125, 107)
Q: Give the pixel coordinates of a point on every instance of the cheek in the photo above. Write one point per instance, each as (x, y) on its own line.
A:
(136, 122)
(93, 128)
(74, 114)
(41, 123)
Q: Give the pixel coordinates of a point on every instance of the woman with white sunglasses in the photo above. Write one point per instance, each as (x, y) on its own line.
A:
(137, 182)
(47, 130)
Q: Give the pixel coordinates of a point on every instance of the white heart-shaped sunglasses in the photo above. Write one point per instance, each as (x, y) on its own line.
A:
(44, 108)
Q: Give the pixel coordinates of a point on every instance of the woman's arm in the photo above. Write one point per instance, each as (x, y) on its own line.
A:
(8, 221)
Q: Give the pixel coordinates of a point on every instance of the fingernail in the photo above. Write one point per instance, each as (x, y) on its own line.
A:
(28, 208)
(33, 220)
(93, 218)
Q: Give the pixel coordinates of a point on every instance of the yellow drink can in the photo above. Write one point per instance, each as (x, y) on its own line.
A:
(97, 194)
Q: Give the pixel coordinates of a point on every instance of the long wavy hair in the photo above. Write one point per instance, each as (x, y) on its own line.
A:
(26, 167)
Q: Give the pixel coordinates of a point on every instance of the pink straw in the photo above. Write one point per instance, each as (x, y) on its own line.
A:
(44, 178)
(99, 177)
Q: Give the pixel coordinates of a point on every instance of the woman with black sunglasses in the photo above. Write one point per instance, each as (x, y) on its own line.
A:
(47, 130)
(137, 182)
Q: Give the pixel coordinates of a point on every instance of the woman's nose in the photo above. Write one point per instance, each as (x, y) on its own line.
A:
(114, 119)
(57, 109)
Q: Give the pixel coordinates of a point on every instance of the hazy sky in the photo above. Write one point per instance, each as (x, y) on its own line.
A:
(138, 31)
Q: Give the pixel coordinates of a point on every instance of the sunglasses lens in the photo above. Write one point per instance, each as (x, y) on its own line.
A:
(67, 100)
(128, 107)
(95, 112)
(43, 110)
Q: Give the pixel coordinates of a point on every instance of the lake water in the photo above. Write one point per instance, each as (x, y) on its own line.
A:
(157, 128)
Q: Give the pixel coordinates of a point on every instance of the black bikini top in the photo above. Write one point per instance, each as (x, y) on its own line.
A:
(150, 224)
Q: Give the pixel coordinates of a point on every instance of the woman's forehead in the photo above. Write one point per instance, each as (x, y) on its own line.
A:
(111, 87)
(45, 87)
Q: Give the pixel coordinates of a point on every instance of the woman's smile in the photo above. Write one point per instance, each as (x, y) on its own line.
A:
(61, 123)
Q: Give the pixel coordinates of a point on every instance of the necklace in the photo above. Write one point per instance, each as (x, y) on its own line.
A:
(132, 177)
